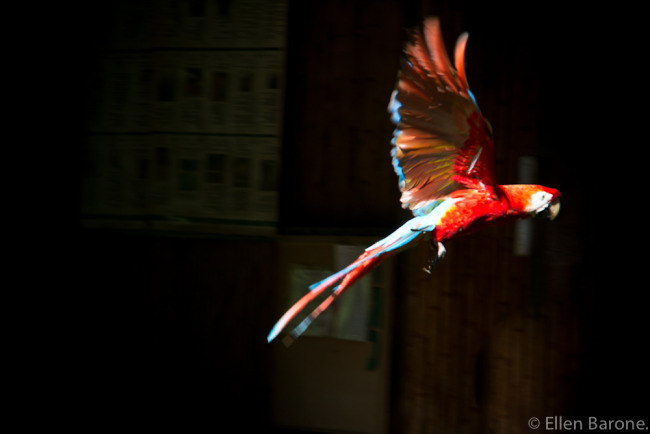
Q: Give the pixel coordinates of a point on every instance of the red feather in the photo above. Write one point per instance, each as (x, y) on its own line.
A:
(443, 155)
(442, 142)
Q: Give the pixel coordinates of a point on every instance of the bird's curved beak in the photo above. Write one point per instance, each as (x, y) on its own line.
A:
(554, 209)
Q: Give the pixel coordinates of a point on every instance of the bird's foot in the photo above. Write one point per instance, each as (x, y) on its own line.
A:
(440, 253)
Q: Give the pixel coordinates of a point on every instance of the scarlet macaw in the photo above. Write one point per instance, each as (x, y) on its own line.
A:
(443, 154)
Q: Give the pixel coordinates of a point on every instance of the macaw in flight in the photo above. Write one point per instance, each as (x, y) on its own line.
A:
(443, 155)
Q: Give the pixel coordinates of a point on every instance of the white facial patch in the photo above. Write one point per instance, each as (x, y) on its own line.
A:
(538, 201)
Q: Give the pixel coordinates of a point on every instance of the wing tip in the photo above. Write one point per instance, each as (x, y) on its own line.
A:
(432, 22)
(459, 57)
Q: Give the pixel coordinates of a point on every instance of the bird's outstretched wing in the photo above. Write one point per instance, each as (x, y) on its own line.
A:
(442, 143)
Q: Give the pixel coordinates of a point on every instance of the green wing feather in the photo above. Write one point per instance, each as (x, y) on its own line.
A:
(442, 143)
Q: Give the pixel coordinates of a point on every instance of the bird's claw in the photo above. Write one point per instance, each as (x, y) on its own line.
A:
(440, 253)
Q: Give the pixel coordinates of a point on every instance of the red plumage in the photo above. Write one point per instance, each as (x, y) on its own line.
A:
(443, 155)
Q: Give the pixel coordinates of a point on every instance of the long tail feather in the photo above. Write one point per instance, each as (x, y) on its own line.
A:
(347, 282)
(372, 257)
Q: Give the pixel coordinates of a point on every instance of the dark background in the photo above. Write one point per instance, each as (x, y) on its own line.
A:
(161, 328)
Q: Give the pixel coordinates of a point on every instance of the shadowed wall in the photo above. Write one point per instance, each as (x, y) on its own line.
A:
(177, 325)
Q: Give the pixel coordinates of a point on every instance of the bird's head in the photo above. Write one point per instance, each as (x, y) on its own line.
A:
(544, 203)
(534, 200)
